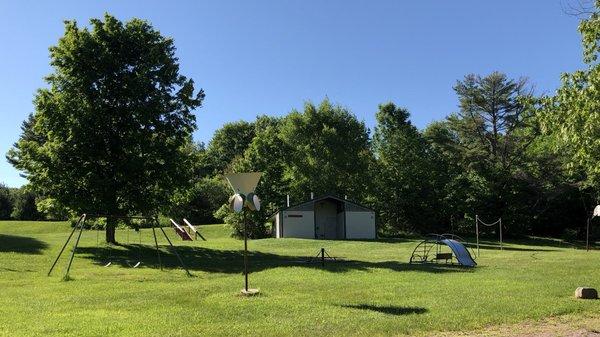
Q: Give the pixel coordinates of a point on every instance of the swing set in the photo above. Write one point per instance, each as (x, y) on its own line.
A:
(80, 224)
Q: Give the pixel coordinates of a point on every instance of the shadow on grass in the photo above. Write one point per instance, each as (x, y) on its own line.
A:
(496, 246)
(21, 244)
(231, 261)
(528, 241)
(388, 310)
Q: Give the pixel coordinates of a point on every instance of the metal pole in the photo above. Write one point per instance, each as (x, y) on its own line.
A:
(245, 253)
(587, 235)
(477, 231)
(74, 248)
(501, 248)
(177, 254)
(65, 245)
(322, 257)
(157, 250)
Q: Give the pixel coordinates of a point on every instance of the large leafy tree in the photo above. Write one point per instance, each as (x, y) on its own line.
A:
(326, 150)
(491, 116)
(264, 154)
(404, 186)
(490, 135)
(572, 115)
(108, 133)
(229, 142)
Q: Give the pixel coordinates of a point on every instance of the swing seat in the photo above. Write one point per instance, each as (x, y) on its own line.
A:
(135, 265)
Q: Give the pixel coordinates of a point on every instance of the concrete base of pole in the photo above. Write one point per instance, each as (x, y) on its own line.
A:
(250, 292)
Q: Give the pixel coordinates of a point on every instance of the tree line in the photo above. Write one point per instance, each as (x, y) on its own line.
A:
(112, 134)
(22, 204)
(489, 158)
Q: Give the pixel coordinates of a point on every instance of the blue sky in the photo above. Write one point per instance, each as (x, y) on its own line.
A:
(268, 57)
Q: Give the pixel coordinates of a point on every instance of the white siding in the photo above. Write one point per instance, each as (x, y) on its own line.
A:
(298, 224)
(360, 225)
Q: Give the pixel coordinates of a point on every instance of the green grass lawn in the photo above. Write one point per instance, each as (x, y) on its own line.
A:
(373, 292)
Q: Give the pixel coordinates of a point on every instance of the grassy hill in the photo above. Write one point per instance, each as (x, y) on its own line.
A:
(372, 291)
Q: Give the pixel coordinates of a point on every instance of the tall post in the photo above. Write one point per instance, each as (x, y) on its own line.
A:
(322, 257)
(477, 232)
(244, 199)
(501, 248)
(175, 251)
(587, 235)
(157, 250)
(67, 242)
(74, 248)
(245, 252)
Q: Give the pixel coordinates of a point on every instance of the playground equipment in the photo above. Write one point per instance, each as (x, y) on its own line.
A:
(185, 236)
(194, 230)
(80, 224)
(446, 248)
(497, 222)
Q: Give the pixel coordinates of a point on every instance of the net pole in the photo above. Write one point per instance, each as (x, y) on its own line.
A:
(501, 248)
(477, 232)
(587, 236)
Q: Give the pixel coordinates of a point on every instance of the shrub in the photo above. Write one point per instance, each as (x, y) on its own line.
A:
(569, 235)
(256, 226)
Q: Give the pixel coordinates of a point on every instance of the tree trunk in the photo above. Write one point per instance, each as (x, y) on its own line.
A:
(111, 225)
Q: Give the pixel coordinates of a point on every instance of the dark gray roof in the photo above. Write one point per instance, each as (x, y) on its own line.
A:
(323, 197)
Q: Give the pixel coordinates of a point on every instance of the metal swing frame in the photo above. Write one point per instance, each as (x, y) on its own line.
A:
(80, 224)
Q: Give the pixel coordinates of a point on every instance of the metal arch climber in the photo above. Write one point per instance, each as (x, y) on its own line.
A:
(446, 248)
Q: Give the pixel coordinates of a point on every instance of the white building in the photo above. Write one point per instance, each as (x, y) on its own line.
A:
(327, 217)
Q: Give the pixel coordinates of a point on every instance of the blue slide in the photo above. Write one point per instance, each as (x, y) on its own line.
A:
(460, 251)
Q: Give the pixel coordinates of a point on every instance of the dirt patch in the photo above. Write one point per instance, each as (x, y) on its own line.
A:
(561, 326)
